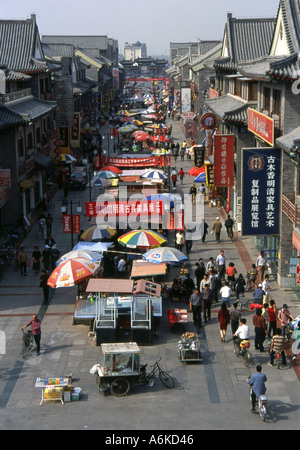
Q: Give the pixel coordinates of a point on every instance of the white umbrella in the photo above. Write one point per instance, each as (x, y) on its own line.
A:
(73, 254)
(164, 255)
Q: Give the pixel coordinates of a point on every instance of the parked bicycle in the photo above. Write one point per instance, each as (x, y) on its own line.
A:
(164, 377)
(28, 343)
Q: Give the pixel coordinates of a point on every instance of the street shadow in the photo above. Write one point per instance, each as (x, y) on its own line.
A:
(279, 411)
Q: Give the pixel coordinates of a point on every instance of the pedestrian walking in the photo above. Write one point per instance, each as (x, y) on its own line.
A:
(46, 255)
(205, 227)
(258, 294)
(42, 227)
(43, 284)
(196, 306)
(260, 328)
(182, 153)
(22, 261)
(36, 256)
(188, 240)
(181, 175)
(207, 296)
(224, 320)
(193, 193)
(285, 318)
(266, 287)
(179, 240)
(225, 292)
(235, 317)
(216, 284)
(231, 272)
(217, 227)
(272, 318)
(221, 265)
(49, 222)
(35, 324)
(240, 286)
(49, 241)
(199, 272)
(174, 178)
(261, 264)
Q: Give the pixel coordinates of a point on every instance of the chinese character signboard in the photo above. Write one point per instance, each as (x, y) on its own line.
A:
(224, 164)
(124, 209)
(210, 174)
(67, 225)
(261, 191)
(199, 154)
(261, 125)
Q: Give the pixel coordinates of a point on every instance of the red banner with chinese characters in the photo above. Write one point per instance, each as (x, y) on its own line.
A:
(224, 160)
(261, 125)
(130, 162)
(67, 227)
(124, 209)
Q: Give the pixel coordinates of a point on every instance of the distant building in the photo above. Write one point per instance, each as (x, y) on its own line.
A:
(134, 51)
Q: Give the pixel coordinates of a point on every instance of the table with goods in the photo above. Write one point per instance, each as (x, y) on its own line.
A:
(57, 389)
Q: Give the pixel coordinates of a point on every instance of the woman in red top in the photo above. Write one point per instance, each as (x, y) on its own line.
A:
(272, 318)
(231, 272)
(224, 319)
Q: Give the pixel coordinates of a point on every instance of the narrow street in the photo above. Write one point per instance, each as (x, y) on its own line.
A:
(215, 390)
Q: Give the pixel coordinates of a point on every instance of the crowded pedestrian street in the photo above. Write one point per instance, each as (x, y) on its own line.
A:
(149, 227)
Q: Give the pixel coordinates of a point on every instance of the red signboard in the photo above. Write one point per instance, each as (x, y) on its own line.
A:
(224, 160)
(67, 228)
(124, 209)
(261, 125)
(130, 162)
(296, 241)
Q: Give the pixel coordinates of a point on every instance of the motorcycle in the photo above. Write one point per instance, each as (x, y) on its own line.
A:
(261, 405)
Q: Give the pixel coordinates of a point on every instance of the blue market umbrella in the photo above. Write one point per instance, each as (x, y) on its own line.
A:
(165, 255)
(200, 178)
(167, 198)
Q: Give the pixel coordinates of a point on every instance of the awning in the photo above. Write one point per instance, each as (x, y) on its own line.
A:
(42, 160)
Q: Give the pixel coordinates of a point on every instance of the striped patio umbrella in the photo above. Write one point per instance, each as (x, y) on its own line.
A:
(128, 128)
(154, 175)
(201, 178)
(100, 182)
(71, 272)
(141, 239)
(107, 174)
(98, 233)
(74, 254)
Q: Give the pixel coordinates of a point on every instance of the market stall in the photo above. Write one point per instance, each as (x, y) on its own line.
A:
(124, 310)
(149, 271)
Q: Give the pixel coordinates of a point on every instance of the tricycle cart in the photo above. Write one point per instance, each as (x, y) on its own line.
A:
(120, 367)
(189, 348)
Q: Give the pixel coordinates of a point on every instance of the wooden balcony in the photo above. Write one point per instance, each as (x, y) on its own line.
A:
(290, 207)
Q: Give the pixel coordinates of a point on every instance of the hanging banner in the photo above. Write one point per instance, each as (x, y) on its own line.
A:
(124, 209)
(130, 162)
(224, 160)
(261, 191)
(261, 125)
(186, 100)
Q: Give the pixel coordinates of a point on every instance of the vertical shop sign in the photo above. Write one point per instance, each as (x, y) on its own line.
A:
(224, 160)
(261, 192)
(67, 223)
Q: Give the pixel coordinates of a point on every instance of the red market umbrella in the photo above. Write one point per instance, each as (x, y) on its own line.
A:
(142, 137)
(160, 138)
(71, 272)
(111, 169)
(138, 133)
(195, 171)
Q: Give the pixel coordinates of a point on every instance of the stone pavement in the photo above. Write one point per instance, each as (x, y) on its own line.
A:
(211, 395)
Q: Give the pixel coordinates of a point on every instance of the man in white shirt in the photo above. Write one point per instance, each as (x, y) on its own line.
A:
(242, 333)
(261, 264)
(225, 294)
(221, 264)
(179, 240)
(121, 267)
(266, 288)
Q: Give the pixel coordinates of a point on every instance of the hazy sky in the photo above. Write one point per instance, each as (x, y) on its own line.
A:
(155, 22)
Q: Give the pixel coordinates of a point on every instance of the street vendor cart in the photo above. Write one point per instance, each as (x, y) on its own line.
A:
(189, 348)
(177, 317)
(120, 367)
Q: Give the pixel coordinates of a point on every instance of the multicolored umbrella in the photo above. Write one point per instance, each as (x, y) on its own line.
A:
(169, 199)
(111, 169)
(74, 254)
(128, 128)
(154, 175)
(69, 159)
(97, 233)
(164, 255)
(142, 239)
(159, 126)
(71, 272)
(107, 174)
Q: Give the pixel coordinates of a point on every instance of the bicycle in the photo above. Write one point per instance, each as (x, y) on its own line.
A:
(230, 233)
(28, 343)
(164, 377)
(242, 350)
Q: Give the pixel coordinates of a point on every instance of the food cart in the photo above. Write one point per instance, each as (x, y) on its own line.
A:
(123, 309)
(177, 317)
(189, 348)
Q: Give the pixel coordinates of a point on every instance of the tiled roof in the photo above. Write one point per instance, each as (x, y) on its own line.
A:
(289, 140)
(291, 18)
(30, 108)
(230, 109)
(247, 40)
(19, 40)
(285, 69)
(9, 118)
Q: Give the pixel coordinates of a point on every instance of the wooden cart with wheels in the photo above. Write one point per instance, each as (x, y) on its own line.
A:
(189, 348)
